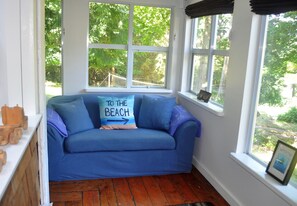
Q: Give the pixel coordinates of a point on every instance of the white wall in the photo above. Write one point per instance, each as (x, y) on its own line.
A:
(28, 38)
(222, 135)
(18, 83)
(3, 81)
(75, 64)
(75, 45)
(10, 50)
(22, 67)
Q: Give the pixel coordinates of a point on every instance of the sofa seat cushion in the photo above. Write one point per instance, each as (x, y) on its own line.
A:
(96, 140)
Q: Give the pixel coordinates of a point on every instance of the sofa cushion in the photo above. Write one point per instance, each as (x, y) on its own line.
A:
(155, 112)
(54, 119)
(96, 140)
(117, 112)
(74, 115)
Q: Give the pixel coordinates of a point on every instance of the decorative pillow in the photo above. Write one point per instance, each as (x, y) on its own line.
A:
(179, 116)
(117, 112)
(155, 112)
(54, 119)
(75, 116)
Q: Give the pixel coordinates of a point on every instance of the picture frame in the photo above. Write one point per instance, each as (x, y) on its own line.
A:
(204, 96)
(283, 162)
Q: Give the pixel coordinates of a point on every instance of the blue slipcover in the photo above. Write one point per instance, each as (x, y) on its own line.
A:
(98, 153)
(97, 140)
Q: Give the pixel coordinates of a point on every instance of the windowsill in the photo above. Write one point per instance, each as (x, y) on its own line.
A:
(286, 192)
(128, 90)
(207, 106)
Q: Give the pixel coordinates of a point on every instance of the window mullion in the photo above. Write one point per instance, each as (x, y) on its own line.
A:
(191, 57)
(130, 48)
(211, 52)
(107, 46)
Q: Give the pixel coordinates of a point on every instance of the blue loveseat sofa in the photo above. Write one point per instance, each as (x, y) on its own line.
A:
(98, 153)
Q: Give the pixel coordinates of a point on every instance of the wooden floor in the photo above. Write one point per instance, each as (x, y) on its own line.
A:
(151, 190)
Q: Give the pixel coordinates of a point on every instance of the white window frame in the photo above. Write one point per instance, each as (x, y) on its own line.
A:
(256, 92)
(256, 88)
(243, 157)
(210, 53)
(131, 49)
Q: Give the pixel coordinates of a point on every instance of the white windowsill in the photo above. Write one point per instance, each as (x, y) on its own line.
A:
(286, 192)
(128, 90)
(207, 106)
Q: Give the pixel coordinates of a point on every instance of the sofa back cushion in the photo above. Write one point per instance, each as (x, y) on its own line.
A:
(149, 112)
(74, 115)
(91, 103)
(155, 112)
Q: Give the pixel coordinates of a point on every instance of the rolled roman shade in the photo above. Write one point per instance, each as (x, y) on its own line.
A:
(266, 7)
(210, 7)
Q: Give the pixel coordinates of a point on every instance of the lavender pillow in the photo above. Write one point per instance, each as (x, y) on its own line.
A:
(54, 119)
(179, 116)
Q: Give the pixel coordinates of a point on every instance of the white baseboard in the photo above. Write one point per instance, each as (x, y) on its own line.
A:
(227, 195)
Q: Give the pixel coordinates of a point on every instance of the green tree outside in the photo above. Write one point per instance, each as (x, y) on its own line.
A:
(280, 60)
(53, 44)
(281, 52)
(109, 24)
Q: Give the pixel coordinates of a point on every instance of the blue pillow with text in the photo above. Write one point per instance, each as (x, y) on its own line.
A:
(117, 112)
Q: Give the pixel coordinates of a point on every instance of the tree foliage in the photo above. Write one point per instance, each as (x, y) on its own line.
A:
(109, 24)
(281, 51)
(289, 117)
(53, 45)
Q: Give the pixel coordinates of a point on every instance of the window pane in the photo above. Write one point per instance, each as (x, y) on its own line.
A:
(219, 78)
(107, 68)
(53, 56)
(276, 117)
(151, 26)
(149, 69)
(202, 32)
(223, 31)
(108, 23)
(199, 73)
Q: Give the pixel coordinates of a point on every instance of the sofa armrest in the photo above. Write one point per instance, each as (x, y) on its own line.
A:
(55, 144)
(185, 140)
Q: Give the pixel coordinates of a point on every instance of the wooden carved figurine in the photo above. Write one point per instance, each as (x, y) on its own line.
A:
(3, 159)
(10, 134)
(14, 122)
(14, 116)
(4, 135)
(3, 156)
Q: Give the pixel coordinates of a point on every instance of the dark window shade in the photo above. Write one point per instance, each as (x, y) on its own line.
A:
(265, 7)
(210, 7)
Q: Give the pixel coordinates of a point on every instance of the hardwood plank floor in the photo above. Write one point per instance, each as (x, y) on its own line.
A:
(149, 190)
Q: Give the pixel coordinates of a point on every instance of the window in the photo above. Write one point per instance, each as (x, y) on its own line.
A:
(128, 45)
(210, 55)
(275, 116)
(53, 56)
